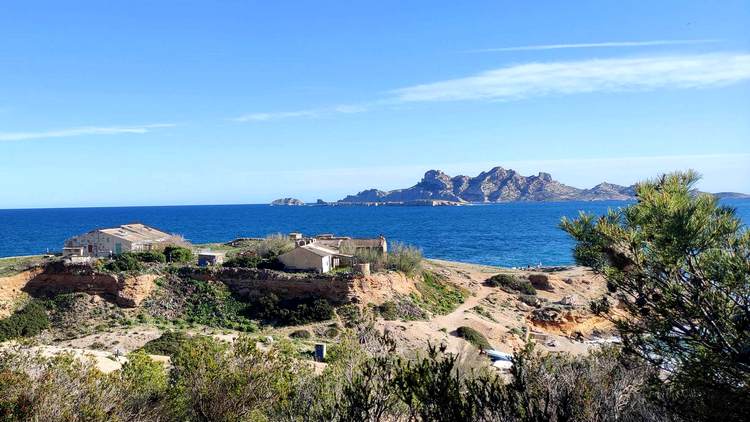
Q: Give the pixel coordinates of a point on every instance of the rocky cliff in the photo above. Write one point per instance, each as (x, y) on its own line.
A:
(495, 185)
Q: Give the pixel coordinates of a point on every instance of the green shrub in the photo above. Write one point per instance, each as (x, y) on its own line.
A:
(512, 284)
(331, 332)
(403, 308)
(178, 254)
(405, 258)
(300, 334)
(437, 295)
(274, 245)
(377, 260)
(242, 261)
(388, 311)
(124, 262)
(530, 300)
(350, 314)
(481, 310)
(474, 337)
(271, 309)
(27, 322)
(167, 344)
(150, 256)
(211, 303)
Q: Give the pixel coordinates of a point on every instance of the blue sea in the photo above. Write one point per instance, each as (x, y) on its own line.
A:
(510, 234)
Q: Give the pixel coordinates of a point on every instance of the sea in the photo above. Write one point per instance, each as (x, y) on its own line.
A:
(508, 234)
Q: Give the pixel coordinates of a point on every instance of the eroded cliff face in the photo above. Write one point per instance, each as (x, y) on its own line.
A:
(11, 289)
(126, 290)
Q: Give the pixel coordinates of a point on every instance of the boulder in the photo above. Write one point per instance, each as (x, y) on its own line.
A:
(546, 315)
(523, 307)
(568, 300)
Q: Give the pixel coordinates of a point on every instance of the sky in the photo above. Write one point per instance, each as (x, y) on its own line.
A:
(198, 102)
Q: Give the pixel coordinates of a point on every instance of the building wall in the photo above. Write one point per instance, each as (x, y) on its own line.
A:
(101, 244)
(302, 259)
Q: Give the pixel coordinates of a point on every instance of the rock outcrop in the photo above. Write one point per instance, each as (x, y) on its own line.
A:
(126, 290)
(495, 185)
(287, 201)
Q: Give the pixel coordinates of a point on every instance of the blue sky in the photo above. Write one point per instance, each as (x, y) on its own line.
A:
(187, 102)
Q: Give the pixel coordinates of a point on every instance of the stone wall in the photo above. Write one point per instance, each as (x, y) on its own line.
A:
(247, 282)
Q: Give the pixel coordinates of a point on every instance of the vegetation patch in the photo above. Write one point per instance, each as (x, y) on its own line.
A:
(75, 315)
(246, 260)
(270, 309)
(403, 309)
(474, 337)
(388, 310)
(178, 254)
(212, 304)
(437, 295)
(405, 258)
(26, 322)
(511, 284)
(167, 344)
(151, 256)
(124, 262)
(350, 314)
(530, 300)
(300, 334)
(243, 261)
(482, 311)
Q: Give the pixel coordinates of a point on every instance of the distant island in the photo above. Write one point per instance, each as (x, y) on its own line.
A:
(731, 195)
(287, 202)
(493, 186)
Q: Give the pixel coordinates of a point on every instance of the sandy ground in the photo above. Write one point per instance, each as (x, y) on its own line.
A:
(504, 311)
(105, 361)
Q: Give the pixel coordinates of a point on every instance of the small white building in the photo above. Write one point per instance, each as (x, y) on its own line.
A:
(313, 257)
(116, 240)
(209, 258)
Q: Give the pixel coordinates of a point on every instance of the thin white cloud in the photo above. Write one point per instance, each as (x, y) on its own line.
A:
(528, 80)
(81, 131)
(611, 44)
(586, 76)
(309, 113)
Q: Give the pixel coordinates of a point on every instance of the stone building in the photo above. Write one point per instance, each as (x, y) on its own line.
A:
(116, 240)
(314, 257)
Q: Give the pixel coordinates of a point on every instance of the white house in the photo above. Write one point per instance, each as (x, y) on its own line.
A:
(313, 257)
(116, 240)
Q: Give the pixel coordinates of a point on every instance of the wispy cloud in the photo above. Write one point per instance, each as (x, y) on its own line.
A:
(585, 76)
(81, 131)
(537, 79)
(309, 113)
(610, 44)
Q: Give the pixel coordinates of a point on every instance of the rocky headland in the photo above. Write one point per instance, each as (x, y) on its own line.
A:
(495, 185)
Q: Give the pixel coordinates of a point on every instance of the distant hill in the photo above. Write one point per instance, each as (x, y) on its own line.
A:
(731, 195)
(498, 185)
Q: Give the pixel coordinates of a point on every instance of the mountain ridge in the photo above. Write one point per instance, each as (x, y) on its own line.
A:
(496, 185)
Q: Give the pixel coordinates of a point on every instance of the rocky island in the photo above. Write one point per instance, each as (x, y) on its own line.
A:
(287, 202)
(495, 185)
